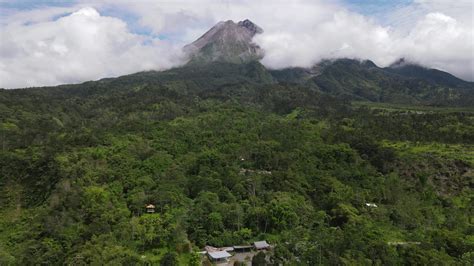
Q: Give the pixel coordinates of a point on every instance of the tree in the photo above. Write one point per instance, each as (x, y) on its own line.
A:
(259, 259)
(195, 259)
(169, 259)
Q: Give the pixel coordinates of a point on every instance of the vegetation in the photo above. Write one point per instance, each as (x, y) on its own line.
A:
(229, 154)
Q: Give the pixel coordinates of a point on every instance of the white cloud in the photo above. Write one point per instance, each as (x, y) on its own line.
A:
(441, 42)
(77, 47)
(462, 10)
(342, 35)
(86, 45)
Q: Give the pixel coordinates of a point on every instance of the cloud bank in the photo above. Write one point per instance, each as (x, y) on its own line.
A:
(433, 40)
(51, 46)
(76, 47)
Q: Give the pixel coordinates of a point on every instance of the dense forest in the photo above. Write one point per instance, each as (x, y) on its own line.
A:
(231, 154)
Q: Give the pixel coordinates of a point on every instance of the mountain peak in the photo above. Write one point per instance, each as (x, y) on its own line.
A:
(401, 62)
(227, 41)
(250, 26)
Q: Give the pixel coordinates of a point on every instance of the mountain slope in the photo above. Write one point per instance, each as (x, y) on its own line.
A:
(436, 76)
(363, 80)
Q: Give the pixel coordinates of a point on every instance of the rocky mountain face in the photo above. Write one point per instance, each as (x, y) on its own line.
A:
(226, 42)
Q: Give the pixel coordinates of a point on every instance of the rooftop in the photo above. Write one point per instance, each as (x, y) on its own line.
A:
(219, 254)
(245, 246)
(261, 244)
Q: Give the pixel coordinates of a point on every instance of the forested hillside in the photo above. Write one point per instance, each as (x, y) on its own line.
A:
(231, 154)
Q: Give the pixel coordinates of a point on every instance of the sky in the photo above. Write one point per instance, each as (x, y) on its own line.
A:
(55, 42)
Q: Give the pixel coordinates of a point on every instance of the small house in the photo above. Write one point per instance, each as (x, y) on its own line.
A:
(372, 205)
(150, 208)
(261, 245)
(219, 256)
